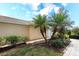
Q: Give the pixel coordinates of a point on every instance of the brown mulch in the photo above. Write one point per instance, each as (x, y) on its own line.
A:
(10, 47)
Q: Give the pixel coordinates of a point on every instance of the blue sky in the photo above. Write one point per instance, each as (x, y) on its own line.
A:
(26, 11)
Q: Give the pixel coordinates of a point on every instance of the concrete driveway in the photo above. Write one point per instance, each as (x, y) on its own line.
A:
(73, 48)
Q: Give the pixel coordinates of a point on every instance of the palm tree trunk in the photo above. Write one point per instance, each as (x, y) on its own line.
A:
(54, 31)
(45, 32)
(43, 35)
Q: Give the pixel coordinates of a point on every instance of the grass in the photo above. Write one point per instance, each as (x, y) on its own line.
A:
(31, 50)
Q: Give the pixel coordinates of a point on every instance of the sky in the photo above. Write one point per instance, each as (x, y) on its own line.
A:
(26, 11)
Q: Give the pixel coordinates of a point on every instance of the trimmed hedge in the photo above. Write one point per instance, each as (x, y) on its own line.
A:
(13, 39)
(58, 43)
(2, 41)
(74, 36)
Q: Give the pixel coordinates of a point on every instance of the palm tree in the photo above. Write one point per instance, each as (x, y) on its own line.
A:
(59, 22)
(42, 23)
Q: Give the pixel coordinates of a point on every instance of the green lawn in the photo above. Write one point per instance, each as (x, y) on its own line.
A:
(32, 50)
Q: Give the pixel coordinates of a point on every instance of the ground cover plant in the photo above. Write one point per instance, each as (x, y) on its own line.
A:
(32, 50)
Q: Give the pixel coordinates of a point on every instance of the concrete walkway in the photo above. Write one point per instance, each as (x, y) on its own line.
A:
(73, 48)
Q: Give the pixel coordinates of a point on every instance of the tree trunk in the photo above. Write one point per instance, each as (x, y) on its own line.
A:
(43, 35)
(54, 31)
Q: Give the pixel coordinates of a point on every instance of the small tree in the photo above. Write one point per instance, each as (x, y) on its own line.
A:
(42, 23)
(59, 22)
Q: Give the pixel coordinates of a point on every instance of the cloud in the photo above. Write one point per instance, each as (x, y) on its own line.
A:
(3, 14)
(35, 5)
(13, 8)
(64, 4)
(56, 9)
(46, 10)
(45, 1)
(23, 3)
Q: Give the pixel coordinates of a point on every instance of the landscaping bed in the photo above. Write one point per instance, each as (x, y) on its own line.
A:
(9, 46)
(32, 50)
(35, 49)
(38, 48)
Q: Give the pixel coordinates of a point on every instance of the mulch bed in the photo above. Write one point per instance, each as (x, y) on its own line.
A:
(51, 47)
(5, 48)
(10, 47)
(24, 44)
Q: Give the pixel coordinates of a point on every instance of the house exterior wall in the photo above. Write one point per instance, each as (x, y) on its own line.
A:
(7, 29)
(13, 29)
(34, 33)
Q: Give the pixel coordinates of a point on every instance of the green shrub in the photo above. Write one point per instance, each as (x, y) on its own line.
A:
(2, 40)
(23, 38)
(58, 43)
(56, 35)
(12, 39)
(66, 36)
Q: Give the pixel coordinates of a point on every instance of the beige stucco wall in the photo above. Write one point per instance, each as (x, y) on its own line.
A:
(7, 29)
(34, 33)
(13, 29)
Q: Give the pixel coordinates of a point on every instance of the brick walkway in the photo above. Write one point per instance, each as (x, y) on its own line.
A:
(73, 48)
